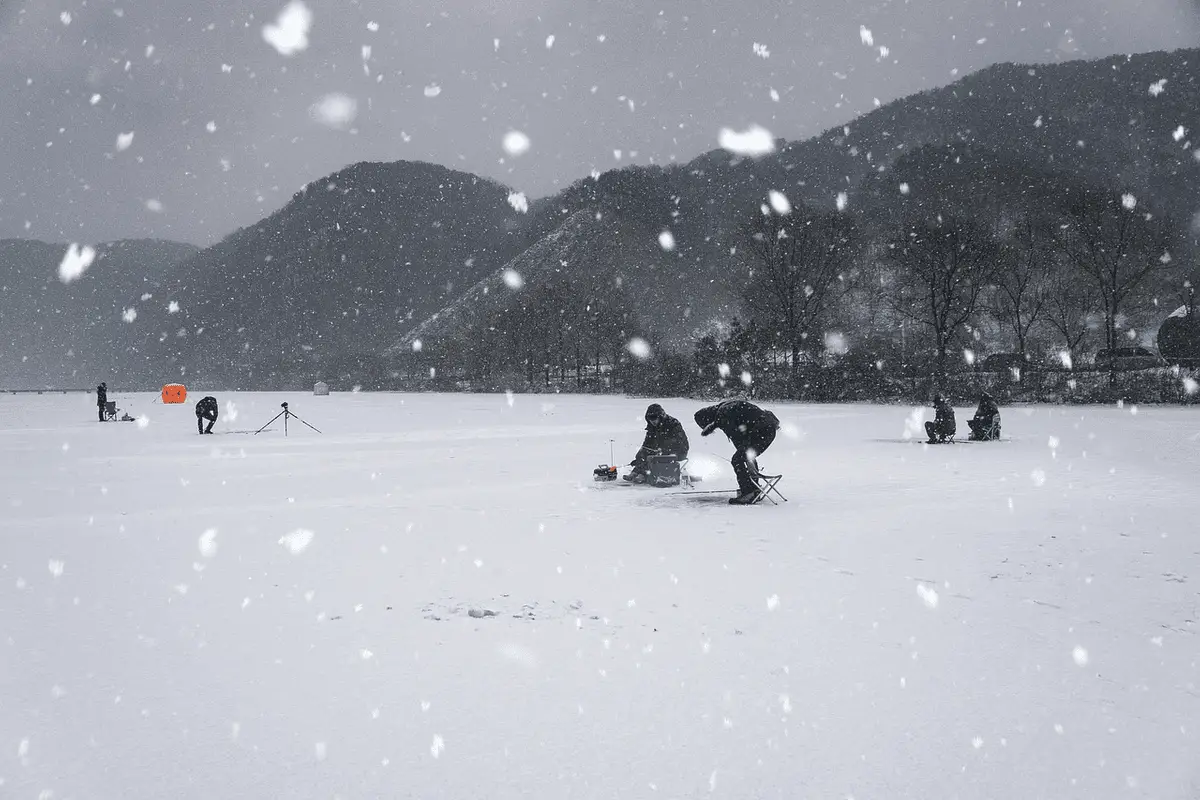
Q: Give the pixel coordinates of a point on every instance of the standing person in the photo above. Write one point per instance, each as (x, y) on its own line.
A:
(943, 426)
(665, 437)
(206, 409)
(985, 426)
(101, 399)
(751, 429)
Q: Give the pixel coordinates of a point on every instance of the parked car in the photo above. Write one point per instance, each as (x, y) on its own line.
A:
(999, 362)
(1129, 358)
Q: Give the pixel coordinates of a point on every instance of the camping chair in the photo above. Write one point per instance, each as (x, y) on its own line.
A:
(666, 470)
(767, 485)
(989, 434)
(110, 409)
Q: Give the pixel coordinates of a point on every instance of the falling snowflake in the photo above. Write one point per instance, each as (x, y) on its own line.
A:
(433, 90)
(335, 110)
(550, 41)
(1065, 358)
(75, 262)
(754, 141)
(129, 314)
(865, 36)
(373, 26)
(639, 348)
(95, 99)
(173, 307)
(65, 18)
(841, 201)
(518, 201)
(56, 568)
(1158, 87)
(779, 202)
(513, 279)
(1191, 386)
(1179, 133)
(904, 188)
(297, 541)
(836, 344)
(515, 143)
(289, 33)
(439, 744)
(747, 378)
(416, 345)
(208, 543)
(155, 205)
(723, 370)
(928, 594)
(774, 95)
(1080, 655)
(1128, 201)
(1038, 476)
(969, 356)
(761, 50)
(320, 750)
(772, 602)
(124, 140)
(666, 240)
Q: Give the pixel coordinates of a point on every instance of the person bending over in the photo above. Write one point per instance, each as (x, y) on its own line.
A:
(206, 409)
(751, 429)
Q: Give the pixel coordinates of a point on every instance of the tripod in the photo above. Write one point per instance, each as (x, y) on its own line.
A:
(285, 414)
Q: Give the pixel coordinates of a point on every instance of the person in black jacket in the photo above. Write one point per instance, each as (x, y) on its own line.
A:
(206, 409)
(751, 429)
(943, 426)
(985, 426)
(101, 398)
(665, 438)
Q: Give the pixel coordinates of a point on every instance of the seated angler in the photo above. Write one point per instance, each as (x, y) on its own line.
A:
(943, 427)
(985, 426)
(665, 445)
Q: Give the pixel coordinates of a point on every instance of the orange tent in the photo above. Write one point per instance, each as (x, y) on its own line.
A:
(174, 393)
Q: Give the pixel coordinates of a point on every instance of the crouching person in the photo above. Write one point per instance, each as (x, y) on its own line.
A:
(943, 426)
(665, 445)
(751, 430)
(206, 409)
(985, 425)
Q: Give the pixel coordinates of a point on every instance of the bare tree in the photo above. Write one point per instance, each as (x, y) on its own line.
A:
(1069, 304)
(1116, 247)
(1021, 297)
(944, 268)
(796, 262)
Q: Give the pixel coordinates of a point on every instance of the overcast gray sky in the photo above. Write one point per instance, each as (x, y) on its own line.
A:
(226, 127)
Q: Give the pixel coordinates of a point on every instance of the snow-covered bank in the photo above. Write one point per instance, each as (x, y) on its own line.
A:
(432, 599)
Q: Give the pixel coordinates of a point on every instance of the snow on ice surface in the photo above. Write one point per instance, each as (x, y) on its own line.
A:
(771, 647)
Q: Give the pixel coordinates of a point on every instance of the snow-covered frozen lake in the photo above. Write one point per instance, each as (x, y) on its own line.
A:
(239, 616)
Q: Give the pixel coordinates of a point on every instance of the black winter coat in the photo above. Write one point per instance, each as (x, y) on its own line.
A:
(101, 395)
(207, 408)
(944, 421)
(667, 437)
(738, 419)
(988, 410)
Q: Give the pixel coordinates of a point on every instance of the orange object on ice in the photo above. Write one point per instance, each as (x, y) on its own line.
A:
(174, 393)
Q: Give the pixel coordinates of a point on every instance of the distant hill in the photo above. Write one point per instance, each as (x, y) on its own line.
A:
(336, 276)
(362, 262)
(75, 335)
